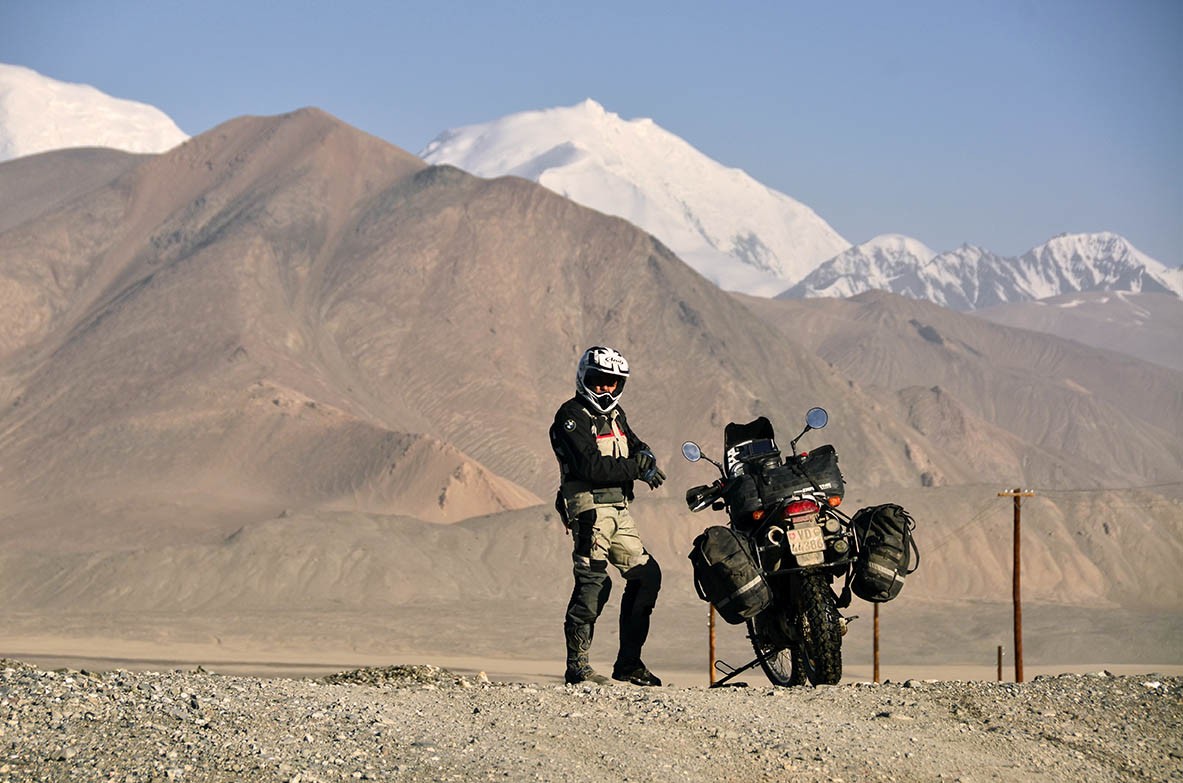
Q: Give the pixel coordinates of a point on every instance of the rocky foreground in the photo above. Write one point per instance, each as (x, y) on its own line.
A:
(422, 723)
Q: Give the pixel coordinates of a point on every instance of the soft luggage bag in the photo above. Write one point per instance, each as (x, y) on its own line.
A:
(726, 574)
(887, 552)
(816, 471)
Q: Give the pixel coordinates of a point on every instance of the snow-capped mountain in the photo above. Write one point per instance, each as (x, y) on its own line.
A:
(735, 231)
(970, 277)
(1093, 262)
(738, 233)
(38, 114)
(874, 264)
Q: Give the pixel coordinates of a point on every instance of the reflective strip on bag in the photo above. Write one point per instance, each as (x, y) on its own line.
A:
(752, 585)
(885, 570)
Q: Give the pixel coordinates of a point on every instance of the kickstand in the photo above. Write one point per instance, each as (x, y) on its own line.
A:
(730, 672)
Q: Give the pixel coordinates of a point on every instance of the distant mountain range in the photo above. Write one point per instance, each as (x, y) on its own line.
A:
(970, 277)
(746, 237)
(740, 234)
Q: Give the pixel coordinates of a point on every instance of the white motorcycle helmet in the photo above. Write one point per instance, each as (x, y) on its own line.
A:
(599, 364)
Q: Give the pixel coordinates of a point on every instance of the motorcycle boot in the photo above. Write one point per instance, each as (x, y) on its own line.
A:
(643, 582)
(637, 675)
(579, 669)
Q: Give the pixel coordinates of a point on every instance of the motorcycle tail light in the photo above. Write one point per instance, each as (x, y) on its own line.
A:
(801, 507)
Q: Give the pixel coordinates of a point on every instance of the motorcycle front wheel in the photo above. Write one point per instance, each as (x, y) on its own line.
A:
(782, 663)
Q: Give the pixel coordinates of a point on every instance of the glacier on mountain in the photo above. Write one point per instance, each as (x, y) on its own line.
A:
(738, 233)
(38, 114)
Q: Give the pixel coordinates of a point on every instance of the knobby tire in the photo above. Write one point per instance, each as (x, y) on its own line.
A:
(821, 628)
(818, 660)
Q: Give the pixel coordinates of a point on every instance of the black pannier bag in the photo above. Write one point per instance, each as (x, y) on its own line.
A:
(727, 575)
(887, 552)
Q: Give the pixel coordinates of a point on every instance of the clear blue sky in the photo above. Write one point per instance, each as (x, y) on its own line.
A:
(999, 123)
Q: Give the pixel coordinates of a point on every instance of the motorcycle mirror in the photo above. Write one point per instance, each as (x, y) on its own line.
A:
(692, 452)
(817, 418)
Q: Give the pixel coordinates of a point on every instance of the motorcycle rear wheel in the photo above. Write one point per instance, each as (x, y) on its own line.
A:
(821, 628)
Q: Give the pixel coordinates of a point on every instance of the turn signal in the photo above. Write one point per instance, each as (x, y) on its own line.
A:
(758, 514)
(834, 501)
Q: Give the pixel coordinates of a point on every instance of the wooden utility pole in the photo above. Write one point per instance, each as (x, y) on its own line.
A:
(711, 643)
(1018, 494)
(875, 647)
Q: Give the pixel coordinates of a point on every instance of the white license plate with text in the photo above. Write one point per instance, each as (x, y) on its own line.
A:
(803, 540)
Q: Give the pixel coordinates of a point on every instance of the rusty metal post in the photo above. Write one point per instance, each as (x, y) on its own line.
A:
(1018, 494)
(711, 626)
(1017, 592)
(875, 647)
(1000, 663)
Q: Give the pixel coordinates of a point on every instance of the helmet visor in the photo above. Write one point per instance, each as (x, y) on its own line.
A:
(596, 380)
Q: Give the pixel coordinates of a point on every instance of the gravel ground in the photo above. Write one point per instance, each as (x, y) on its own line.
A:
(423, 723)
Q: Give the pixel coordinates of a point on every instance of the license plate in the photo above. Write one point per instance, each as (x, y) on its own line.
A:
(803, 540)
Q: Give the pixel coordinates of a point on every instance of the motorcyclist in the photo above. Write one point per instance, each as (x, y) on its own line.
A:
(599, 459)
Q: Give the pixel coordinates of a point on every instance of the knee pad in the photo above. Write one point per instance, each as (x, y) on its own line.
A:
(646, 572)
(645, 581)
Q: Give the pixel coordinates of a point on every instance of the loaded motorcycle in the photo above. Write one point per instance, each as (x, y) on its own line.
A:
(773, 564)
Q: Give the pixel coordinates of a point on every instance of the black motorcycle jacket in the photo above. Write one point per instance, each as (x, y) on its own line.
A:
(596, 454)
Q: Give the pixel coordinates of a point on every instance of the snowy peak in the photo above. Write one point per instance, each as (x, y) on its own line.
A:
(1094, 262)
(735, 231)
(38, 114)
(889, 261)
(971, 277)
(898, 246)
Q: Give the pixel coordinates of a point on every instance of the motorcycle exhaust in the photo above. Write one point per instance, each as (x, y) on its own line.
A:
(776, 535)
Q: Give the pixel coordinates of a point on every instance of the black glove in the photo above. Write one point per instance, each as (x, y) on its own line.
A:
(647, 466)
(656, 479)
